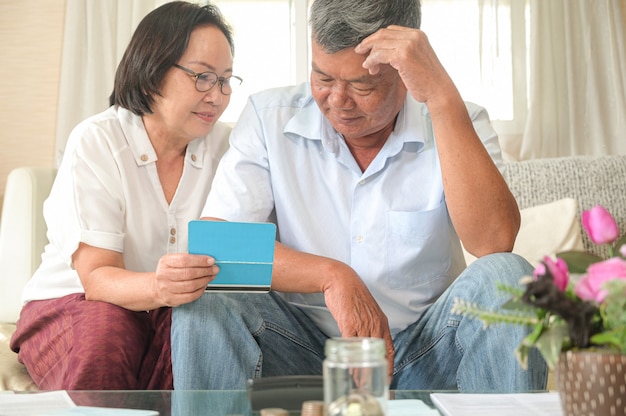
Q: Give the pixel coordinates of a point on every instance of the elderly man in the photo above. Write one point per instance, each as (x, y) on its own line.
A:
(374, 172)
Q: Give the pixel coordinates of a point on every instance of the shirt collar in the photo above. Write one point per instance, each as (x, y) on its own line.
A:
(311, 124)
(141, 146)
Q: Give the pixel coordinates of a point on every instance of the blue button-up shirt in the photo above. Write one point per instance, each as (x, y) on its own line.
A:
(287, 164)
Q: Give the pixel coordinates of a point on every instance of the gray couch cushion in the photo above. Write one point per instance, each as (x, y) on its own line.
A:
(590, 180)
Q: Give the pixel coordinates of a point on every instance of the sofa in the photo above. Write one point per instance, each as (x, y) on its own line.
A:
(22, 240)
(551, 194)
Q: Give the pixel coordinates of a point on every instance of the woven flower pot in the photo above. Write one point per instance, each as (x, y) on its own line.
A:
(592, 383)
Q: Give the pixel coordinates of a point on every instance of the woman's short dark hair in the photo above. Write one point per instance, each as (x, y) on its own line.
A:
(159, 41)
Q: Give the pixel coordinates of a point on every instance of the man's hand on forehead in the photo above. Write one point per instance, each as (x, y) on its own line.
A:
(382, 46)
(409, 52)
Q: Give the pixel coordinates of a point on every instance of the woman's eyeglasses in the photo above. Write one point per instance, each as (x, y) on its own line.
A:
(206, 80)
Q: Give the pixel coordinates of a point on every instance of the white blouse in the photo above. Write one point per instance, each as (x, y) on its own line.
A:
(107, 194)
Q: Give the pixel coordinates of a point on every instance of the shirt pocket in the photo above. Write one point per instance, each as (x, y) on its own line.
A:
(419, 248)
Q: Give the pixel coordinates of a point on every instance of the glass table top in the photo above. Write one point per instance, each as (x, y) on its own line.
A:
(199, 402)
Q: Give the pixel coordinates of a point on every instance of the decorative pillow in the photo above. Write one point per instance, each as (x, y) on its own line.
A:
(546, 230)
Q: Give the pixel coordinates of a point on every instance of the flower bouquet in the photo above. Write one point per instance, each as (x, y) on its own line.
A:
(574, 301)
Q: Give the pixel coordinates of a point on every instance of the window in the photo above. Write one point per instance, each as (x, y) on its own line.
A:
(481, 43)
(483, 46)
(271, 46)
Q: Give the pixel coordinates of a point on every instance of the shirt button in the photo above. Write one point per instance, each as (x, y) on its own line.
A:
(362, 182)
(144, 158)
(194, 157)
(359, 238)
(173, 231)
(172, 240)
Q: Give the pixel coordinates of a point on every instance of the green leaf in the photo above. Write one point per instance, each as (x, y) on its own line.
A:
(615, 338)
(613, 309)
(521, 353)
(550, 343)
(516, 292)
(578, 261)
(519, 306)
(488, 317)
(533, 336)
(522, 350)
(619, 243)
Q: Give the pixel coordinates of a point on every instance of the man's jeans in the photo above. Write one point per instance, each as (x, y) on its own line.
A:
(221, 340)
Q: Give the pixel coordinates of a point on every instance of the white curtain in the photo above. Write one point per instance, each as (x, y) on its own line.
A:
(577, 79)
(576, 64)
(96, 35)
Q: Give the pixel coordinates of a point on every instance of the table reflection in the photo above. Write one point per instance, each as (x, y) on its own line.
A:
(195, 402)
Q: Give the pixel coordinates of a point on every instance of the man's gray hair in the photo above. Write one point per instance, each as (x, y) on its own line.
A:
(340, 24)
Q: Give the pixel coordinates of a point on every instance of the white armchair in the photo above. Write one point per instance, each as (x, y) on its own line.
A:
(22, 240)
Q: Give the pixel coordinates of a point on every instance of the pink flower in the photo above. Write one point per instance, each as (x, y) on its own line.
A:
(558, 270)
(600, 225)
(590, 286)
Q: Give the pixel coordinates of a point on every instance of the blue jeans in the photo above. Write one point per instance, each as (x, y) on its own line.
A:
(222, 340)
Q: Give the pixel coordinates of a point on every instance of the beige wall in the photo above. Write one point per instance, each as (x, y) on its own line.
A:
(31, 34)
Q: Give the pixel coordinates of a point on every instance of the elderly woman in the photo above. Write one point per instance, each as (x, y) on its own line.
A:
(97, 312)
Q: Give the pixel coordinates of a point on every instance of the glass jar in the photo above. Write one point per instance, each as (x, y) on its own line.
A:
(355, 377)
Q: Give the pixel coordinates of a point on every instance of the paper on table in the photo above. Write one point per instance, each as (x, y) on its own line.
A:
(518, 404)
(410, 407)
(34, 404)
(57, 403)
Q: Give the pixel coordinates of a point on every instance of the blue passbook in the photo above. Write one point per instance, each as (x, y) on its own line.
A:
(243, 250)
